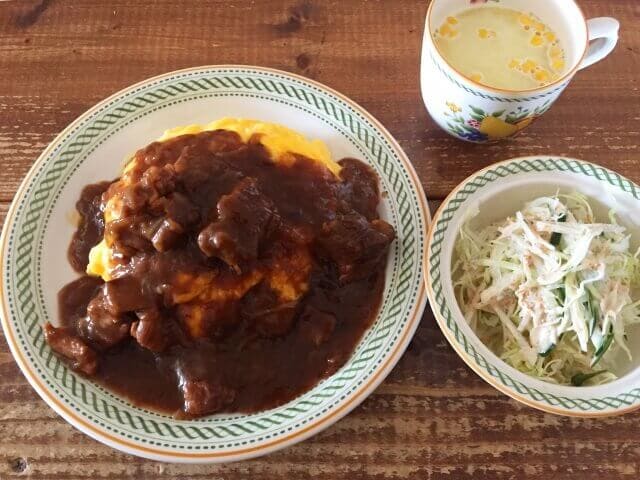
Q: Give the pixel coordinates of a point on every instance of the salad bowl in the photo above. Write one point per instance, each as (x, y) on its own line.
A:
(497, 192)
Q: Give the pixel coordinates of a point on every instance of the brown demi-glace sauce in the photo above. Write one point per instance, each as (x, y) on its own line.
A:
(241, 281)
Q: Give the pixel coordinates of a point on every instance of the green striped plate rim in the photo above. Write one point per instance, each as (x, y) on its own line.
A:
(115, 421)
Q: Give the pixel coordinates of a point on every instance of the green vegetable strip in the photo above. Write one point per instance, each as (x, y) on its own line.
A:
(557, 236)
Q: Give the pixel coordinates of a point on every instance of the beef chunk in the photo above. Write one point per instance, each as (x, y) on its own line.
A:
(100, 326)
(175, 216)
(149, 331)
(356, 245)
(124, 294)
(243, 221)
(159, 180)
(359, 188)
(162, 231)
(167, 235)
(80, 356)
(205, 188)
(127, 236)
(182, 210)
(316, 326)
(152, 214)
(202, 397)
(91, 227)
(134, 197)
(74, 298)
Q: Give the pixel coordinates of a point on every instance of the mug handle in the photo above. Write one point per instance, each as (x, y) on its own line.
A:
(603, 36)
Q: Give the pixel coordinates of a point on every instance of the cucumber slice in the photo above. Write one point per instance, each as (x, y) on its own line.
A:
(555, 236)
(593, 310)
(603, 348)
(579, 378)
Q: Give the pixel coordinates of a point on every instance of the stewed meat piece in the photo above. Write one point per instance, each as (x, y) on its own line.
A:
(100, 327)
(243, 219)
(124, 294)
(91, 225)
(150, 330)
(203, 389)
(359, 188)
(81, 357)
(357, 245)
(202, 397)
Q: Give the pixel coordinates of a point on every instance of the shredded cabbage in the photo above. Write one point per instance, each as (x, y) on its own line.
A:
(550, 290)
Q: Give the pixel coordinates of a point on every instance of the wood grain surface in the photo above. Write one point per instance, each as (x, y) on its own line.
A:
(432, 418)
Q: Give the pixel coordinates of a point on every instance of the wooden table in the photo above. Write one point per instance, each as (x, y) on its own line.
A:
(433, 417)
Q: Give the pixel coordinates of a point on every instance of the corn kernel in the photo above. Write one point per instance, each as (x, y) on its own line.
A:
(536, 40)
(557, 64)
(542, 75)
(549, 36)
(452, 20)
(525, 20)
(529, 66)
(514, 64)
(446, 30)
(476, 77)
(555, 51)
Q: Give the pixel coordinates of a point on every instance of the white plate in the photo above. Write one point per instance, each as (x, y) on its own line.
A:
(37, 232)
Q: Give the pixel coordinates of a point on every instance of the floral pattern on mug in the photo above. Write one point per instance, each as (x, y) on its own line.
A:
(480, 126)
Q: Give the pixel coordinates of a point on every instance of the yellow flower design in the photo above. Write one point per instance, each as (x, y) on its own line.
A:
(453, 107)
(496, 128)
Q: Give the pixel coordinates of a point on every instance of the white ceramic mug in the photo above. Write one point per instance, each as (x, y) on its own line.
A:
(478, 113)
